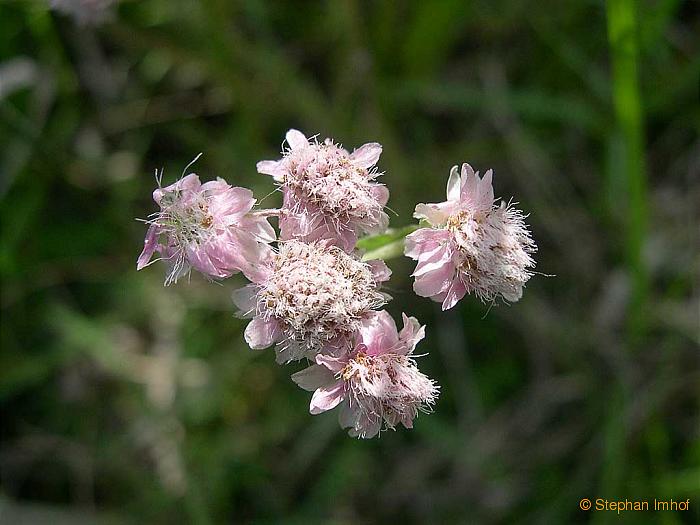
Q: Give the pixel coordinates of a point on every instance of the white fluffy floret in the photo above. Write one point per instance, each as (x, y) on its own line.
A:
(317, 293)
(325, 175)
(495, 247)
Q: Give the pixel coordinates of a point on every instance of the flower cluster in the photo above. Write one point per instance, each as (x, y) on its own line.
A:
(313, 296)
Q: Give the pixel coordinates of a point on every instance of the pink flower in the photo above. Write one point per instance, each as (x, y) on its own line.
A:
(328, 192)
(208, 227)
(473, 246)
(375, 379)
(309, 296)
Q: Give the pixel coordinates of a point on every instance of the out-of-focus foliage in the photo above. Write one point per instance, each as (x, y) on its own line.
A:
(126, 402)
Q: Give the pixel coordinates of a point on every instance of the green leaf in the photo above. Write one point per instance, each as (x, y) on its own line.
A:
(372, 242)
(387, 245)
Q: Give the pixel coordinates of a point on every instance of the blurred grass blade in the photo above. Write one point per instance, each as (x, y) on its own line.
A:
(627, 175)
(630, 172)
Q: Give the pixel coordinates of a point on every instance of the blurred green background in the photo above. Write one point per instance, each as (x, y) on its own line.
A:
(127, 402)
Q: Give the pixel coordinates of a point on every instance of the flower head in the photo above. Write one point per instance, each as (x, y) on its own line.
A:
(328, 192)
(375, 378)
(208, 227)
(474, 245)
(308, 297)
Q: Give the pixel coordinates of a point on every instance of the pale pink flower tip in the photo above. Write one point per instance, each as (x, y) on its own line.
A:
(329, 193)
(209, 227)
(473, 245)
(310, 296)
(375, 379)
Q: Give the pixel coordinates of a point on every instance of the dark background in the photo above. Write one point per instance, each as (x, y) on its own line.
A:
(127, 402)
